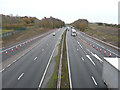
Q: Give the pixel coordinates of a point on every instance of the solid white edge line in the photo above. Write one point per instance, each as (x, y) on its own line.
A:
(20, 76)
(46, 68)
(70, 81)
(2, 70)
(94, 80)
(8, 65)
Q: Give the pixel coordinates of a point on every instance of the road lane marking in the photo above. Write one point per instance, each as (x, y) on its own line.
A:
(88, 50)
(20, 76)
(46, 68)
(23, 54)
(42, 49)
(85, 52)
(77, 49)
(14, 61)
(79, 45)
(8, 65)
(95, 55)
(2, 70)
(98, 58)
(68, 61)
(82, 58)
(35, 58)
(90, 59)
(94, 80)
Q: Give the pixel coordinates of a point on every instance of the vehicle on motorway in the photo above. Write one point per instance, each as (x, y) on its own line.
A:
(53, 34)
(73, 32)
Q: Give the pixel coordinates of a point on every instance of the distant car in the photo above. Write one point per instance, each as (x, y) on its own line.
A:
(53, 34)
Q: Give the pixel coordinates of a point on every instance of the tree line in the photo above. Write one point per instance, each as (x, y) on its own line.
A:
(20, 23)
(80, 24)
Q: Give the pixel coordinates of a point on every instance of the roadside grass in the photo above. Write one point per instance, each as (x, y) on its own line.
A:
(5, 31)
(104, 33)
(54, 78)
(65, 75)
(23, 35)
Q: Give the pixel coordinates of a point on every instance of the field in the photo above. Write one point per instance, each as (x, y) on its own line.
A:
(106, 33)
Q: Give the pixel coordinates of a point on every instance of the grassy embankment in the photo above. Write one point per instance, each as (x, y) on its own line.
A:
(106, 33)
(29, 26)
(23, 35)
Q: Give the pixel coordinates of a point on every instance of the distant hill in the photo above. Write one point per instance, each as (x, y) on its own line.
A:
(18, 23)
(80, 24)
(51, 22)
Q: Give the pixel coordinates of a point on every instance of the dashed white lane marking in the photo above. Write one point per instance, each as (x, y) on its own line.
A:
(14, 61)
(90, 60)
(82, 58)
(47, 44)
(79, 45)
(2, 70)
(35, 58)
(88, 50)
(77, 49)
(8, 65)
(20, 76)
(94, 80)
(42, 49)
(85, 52)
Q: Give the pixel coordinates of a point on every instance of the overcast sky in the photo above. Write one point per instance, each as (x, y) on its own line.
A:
(67, 10)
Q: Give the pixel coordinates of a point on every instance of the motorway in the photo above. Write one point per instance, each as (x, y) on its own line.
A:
(86, 63)
(27, 72)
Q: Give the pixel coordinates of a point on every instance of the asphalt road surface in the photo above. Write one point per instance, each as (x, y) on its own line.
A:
(86, 58)
(28, 70)
(86, 62)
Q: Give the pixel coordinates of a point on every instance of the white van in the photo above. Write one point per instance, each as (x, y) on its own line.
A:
(73, 32)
